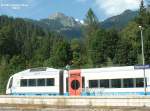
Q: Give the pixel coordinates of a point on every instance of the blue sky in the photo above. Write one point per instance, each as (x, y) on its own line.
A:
(38, 9)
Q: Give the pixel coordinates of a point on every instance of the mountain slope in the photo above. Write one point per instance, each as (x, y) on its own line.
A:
(119, 21)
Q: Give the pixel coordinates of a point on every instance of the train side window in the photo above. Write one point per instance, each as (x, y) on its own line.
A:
(104, 83)
(139, 82)
(116, 83)
(23, 83)
(50, 82)
(128, 83)
(93, 83)
(40, 82)
(32, 82)
(11, 82)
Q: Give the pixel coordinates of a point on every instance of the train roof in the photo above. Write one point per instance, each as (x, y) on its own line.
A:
(109, 69)
(36, 71)
(45, 70)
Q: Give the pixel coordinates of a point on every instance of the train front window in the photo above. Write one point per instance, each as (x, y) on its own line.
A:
(11, 82)
(139, 82)
(128, 83)
(93, 83)
(50, 82)
(32, 82)
(40, 82)
(23, 83)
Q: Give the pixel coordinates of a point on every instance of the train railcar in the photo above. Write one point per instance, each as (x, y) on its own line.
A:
(37, 81)
(125, 80)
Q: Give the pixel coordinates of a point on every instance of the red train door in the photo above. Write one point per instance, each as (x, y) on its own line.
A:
(75, 83)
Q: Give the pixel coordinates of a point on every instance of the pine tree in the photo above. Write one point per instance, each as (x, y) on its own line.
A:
(91, 22)
(92, 25)
(142, 14)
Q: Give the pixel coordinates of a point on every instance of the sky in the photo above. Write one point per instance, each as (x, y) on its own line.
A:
(39, 9)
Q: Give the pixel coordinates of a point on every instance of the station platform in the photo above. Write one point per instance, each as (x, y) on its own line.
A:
(84, 101)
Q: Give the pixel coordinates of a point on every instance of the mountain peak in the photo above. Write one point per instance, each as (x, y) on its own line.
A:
(66, 21)
(57, 15)
(127, 11)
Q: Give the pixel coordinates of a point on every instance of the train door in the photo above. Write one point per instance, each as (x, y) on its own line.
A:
(75, 83)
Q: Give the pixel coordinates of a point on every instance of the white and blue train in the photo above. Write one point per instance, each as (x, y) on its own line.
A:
(126, 80)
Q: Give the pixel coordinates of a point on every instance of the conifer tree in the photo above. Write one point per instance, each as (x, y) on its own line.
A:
(92, 25)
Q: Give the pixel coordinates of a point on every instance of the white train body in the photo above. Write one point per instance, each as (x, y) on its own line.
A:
(122, 74)
(96, 82)
(32, 88)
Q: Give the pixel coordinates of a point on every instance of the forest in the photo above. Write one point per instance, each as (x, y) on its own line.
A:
(25, 45)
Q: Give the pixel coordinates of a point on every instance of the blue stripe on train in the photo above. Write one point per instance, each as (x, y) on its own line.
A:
(38, 94)
(84, 94)
(113, 93)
